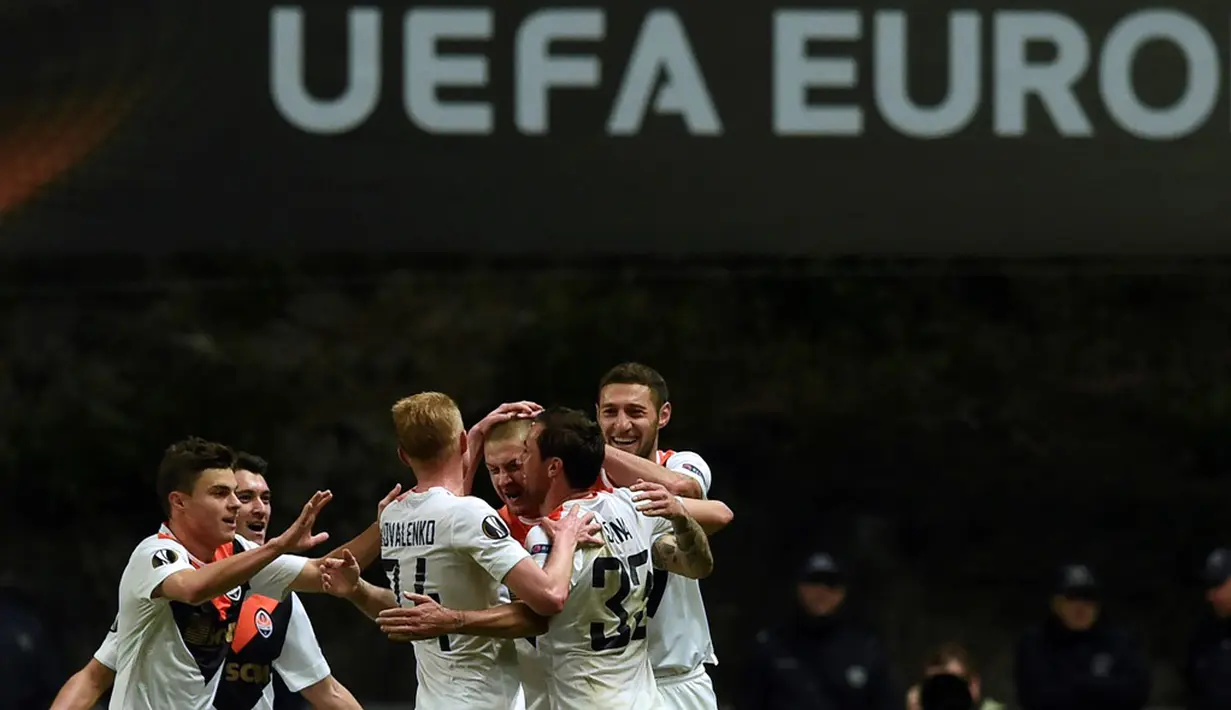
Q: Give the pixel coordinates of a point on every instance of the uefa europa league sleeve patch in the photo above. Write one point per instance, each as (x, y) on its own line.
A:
(164, 557)
(494, 528)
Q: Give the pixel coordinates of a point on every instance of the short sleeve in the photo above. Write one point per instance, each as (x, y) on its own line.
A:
(151, 563)
(538, 545)
(301, 663)
(108, 653)
(275, 578)
(481, 533)
(692, 465)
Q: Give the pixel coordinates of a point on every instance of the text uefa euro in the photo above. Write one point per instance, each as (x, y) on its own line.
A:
(814, 80)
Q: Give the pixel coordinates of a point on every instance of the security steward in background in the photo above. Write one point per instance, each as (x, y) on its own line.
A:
(1208, 669)
(1077, 659)
(820, 659)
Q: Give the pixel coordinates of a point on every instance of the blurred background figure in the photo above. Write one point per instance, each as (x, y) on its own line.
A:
(1077, 659)
(30, 673)
(945, 691)
(1208, 669)
(952, 659)
(820, 659)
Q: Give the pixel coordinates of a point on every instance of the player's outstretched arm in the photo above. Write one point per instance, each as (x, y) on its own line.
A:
(344, 581)
(199, 585)
(366, 545)
(711, 515)
(83, 690)
(329, 694)
(545, 589)
(625, 469)
(427, 619)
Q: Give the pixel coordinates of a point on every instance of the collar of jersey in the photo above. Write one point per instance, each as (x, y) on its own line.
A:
(164, 531)
(555, 514)
(414, 492)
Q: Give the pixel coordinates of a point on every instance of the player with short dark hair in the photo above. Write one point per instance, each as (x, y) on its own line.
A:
(180, 593)
(633, 407)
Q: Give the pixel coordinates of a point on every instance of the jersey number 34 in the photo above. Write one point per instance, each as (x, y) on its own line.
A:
(632, 591)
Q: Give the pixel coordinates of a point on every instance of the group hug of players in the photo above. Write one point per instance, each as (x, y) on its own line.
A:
(580, 593)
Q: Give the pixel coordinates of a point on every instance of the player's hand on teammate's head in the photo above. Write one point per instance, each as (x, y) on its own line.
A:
(340, 577)
(394, 495)
(509, 410)
(425, 620)
(655, 501)
(581, 526)
(299, 535)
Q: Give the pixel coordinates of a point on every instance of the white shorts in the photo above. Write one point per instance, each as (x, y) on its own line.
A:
(690, 691)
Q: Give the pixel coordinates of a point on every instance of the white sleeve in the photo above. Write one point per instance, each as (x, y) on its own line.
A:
(479, 531)
(538, 544)
(151, 563)
(301, 663)
(275, 578)
(692, 465)
(108, 653)
(660, 527)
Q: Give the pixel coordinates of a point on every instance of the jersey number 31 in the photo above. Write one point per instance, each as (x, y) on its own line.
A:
(629, 577)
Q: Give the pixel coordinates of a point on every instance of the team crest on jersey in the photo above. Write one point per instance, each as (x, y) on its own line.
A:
(264, 624)
(692, 468)
(495, 528)
(165, 557)
(235, 594)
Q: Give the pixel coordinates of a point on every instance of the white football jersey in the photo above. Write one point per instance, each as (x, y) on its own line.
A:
(282, 640)
(457, 550)
(595, 650)
(167, 653)
(680, 630)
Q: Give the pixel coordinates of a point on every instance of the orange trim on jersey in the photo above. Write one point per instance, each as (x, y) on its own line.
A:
(559, 511)
(601, 484)
(246, 629)
(221, 602)
(517, 528)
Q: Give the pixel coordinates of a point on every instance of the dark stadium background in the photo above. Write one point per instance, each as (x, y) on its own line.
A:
(955, 426)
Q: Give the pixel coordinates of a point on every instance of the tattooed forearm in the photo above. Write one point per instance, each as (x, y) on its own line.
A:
(686, 551)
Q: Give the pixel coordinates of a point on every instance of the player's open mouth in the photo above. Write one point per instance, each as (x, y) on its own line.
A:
(622, 441)
(255, 526)
(512, 494)
(230, 522)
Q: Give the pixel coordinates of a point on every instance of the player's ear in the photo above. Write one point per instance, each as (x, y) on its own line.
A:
(403, 457)
(178, 500)
(462, 444)
(664, 414)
